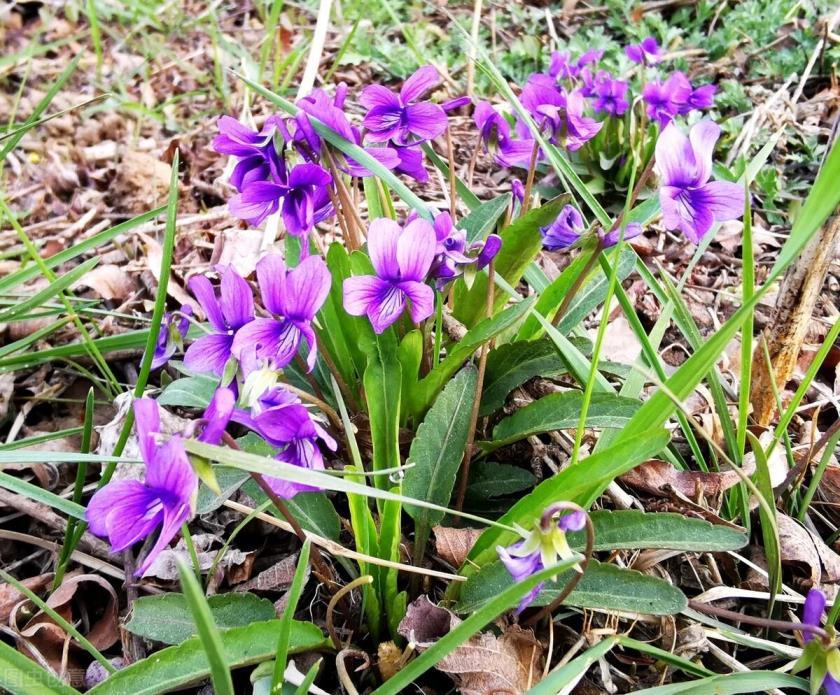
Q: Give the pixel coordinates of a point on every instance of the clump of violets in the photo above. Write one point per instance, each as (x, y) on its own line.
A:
(401, 259)
(689, 201)
(128, 511)
(821, 653)
(543, 547)
(589, 99)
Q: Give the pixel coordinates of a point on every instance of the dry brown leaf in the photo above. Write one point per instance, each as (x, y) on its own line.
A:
(661, 479)
(142, 180)
(240, 248)
(454, 544)
(277, 577)
(165, 565)
(485, 665)
(108, 281)
(87, 601)
(10, 596)
(154, 257)
(799, 546)
(620, 342)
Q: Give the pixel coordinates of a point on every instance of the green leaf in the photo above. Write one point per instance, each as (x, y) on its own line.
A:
(22, 676)
(312, 510)
(559, 411)
(521, 242)
(229, 481)
(481, 220)
(176, 667)
(383, 386)
(574, 484)
(633, 529)
(732, 684)
(166, 618)
(508, 598)
(606, 587)
(189, 392)
(208, 633)
(434, 381)
(512, 364)
(489, 480)
(438, 449)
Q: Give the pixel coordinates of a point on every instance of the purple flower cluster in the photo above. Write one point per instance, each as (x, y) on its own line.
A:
(561, 99)
(568, 228)
(397, 123)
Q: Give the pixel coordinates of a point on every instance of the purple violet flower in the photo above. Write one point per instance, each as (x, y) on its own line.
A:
(689, 201)
(403, 118)
(304, 196)
(226, 314)
(256, 151)
(401, 259)
(610, 94)
(822, 657)
(281, 419)
(546, 104)
(593, 55)
(560, 67)
(666, 99)
(647, 52)
(453, 256)
(580, 129)
(702, 98)
(411, 163)
(329, 111)
(544, 546)
(492, 126)
(127, 511)
(294, 297)
(173, 330)
(564, 231)
(217, 416)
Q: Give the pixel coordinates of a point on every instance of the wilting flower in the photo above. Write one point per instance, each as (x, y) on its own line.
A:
(667, 99)
(403, 118)
(401, 259)
(564, 231)
(127, 511)
(304, 197)
(256, 150)
(173, 330)
(454, 255)
(647, 52)
(609, 94)
(226, 313)
(293, 297)
(689, 201)
(820, 653)
(541, 548)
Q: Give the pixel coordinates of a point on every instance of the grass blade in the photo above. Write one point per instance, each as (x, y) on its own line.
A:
(295, 591)
(208, 633)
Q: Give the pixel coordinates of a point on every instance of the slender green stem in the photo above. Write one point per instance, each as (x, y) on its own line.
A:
(188, 541)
